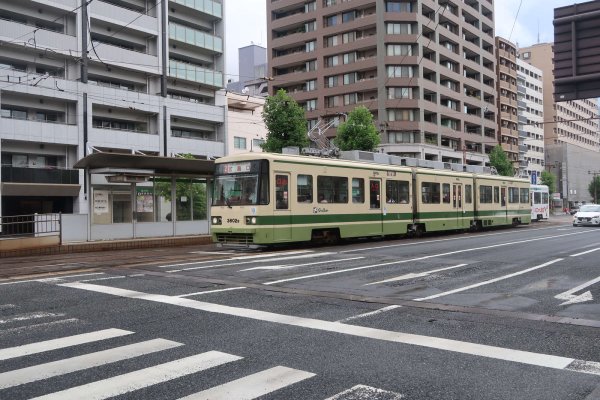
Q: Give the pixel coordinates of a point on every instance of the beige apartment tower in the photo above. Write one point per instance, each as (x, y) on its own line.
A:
(426, 69)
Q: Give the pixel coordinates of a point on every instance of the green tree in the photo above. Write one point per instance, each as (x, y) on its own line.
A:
(594, 188)
(358, 132)
(549, 180)
(285, 122)
(500, 161)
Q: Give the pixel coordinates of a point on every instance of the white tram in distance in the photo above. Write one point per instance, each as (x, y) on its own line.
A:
(540, 202)
(264, 199)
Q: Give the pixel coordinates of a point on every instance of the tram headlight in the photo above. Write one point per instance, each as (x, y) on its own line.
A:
(250, 220)
(216, 220)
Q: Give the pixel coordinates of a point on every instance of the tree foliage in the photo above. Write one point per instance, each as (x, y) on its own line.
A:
(594, 188)
(358, 132)
(549, 180)
(500, 161)
(285, 122)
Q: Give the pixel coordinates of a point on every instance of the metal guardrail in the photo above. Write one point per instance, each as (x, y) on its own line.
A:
(32, 225)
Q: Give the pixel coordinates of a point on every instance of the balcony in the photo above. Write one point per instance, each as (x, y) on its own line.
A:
(194, 73)
(123, 17)
(12, 174)
(111, 54)
(19, 33)
(195, 37)
(208, 7)
(38, 131)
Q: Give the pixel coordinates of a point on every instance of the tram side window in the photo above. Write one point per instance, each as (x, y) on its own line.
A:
(513, 195)
(496, 194)
(446, 192)
(524, 195)
(545, 198)
(468, 194)
(305, 188)
(332, 189)
(396, 192)
(430, 193)
(281, 192)
(358, 190)
(485, 194)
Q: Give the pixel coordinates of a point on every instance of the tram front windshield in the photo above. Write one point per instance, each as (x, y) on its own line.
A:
(241, 183)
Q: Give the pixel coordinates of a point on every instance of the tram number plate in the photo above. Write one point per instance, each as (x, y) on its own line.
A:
(233, 221)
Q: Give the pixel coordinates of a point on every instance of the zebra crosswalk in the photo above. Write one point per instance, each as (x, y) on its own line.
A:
(132, 383)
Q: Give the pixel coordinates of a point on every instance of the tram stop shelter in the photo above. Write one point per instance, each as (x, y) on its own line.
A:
(139, 196)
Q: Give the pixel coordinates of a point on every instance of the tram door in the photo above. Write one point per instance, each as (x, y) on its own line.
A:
(457, 203)
(282, 229)
(376, 206)
(503, 203)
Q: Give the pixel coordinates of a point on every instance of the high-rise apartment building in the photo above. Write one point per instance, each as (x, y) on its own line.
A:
(508, 134)
(530, 99)
(425, 69)
(116, 76)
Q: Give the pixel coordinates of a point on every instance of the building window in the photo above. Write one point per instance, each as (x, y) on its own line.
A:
(310, 46)
(350, 99)
(331, 20)
(331, 81)
(189, 133)
(348, 16)
(397, 114)
(310, 26)
(239, 142)
(398, 6)
(400, 93)
(399, 28)
(348, 37)
(13, 113)
(349, 78)
(311, 85)
(311, 105)
(311, 65)
(400, 71)
(332, 61)
(399, 50)
(349, 58)
(331, 41)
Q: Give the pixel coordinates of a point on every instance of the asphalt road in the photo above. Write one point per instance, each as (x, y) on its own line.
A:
(503, 314)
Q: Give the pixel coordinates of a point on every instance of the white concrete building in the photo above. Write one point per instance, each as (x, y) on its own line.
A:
(530, 100)
(119, 76)
(245, 126)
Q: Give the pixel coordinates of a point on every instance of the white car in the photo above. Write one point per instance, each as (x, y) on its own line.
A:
(588, 214)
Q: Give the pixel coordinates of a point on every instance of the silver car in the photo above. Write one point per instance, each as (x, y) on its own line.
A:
(588, 214)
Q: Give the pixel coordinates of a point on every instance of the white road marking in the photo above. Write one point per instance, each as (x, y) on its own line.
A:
(135, 275)
(438, 240)
(363, 392)
(369, 314)
(42, 280)
(102, 279)
(68, 365)
(211, 291)
(572, 298)
(301, 256)
(210, 252)
(588, 367)
(585, 252)
(6, 306)
(253, 386)
(415, 275)
(500, 278)
(236, 258)
(142, 378)
(420, 258)
(288, 266)
(28, 316)
(35, 326)
(61, 343)
(474, 349)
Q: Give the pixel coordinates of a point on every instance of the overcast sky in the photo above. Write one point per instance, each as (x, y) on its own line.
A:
(246, 23)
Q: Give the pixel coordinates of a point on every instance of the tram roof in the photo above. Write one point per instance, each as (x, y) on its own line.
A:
(172, 166)
(359, 163)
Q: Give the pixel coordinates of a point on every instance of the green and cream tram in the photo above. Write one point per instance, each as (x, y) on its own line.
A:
(264, 198)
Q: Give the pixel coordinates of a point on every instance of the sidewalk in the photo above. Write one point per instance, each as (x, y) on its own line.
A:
(109, 245)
